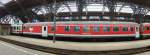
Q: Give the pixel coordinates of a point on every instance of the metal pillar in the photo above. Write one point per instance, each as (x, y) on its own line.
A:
(80, 5)
(22, 10)
(54, 20)
(138, 10)
(111, 4)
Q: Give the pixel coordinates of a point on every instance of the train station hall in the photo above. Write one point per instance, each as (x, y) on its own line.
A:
(74, 27)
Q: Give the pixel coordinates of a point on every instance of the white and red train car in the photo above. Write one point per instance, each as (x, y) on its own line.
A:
(16, 29)
(80, 29)
(145, 29)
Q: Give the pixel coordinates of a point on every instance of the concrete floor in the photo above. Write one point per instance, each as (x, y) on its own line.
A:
(10, 49)
(145, 53)
(82, 46)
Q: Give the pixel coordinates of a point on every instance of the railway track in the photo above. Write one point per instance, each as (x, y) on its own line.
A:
(73, 52)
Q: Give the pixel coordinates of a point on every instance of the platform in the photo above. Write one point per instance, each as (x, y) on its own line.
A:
(18, 50)
(82, 46)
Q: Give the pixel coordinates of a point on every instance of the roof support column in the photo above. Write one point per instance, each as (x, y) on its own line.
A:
(80, 5)
(23, 10)
(138, 12)
(111, 4)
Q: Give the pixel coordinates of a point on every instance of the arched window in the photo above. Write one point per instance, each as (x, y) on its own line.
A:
(70, 7)
(96, 7)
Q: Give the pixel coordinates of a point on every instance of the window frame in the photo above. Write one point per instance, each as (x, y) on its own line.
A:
(14, 27)
(114, 29)
(76, 30)
(131, 29)
(52, 28)
(96, 28)
(17, 28)
(44, 28)
(147, 28)
(107, 29)
(144, 28)
(67, 28)
(86, 28)
(125, 30)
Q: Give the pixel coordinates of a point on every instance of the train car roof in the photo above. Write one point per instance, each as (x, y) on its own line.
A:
(85, 22)
(146, 23)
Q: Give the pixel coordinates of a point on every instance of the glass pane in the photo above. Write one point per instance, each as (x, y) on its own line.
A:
(95, 7)
(116, 29)
(106, 28)
(67, 28)
(126, 9)
(17, 28)
(144, 28)
(23, 27)
(14, 28)
(96, 28)
(132, 29)
(86, 28)
(52, 28)
(76, 28)
(148, 28)
(44, 28)
(125, 28)
(137, 29)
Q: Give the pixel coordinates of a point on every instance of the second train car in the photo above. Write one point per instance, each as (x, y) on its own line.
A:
(82, 29)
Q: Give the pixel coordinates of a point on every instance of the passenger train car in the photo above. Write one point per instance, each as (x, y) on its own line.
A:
(16, 29)
(145, 29)
(83, 29)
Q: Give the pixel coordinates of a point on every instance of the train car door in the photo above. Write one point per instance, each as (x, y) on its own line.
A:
(137, 33)
(44, 31)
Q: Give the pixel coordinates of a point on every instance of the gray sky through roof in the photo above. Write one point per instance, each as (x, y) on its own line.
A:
(4, 1)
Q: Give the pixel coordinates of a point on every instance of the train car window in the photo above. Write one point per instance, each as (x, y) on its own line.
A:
(52, 28)
(24, 27)
(147, 28)
(115, 28)
(86, 28)
(14, 28)
(131, 29)
(125, 29)
(96, 28)
(17, 28)
(106, 28)
(44, 28)
(67, 28)
(76, 28)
